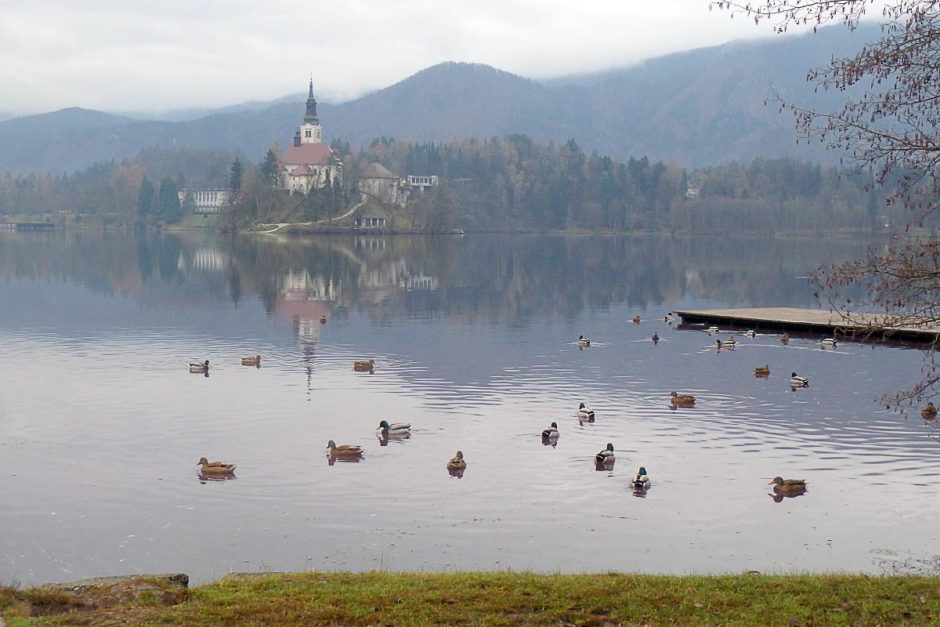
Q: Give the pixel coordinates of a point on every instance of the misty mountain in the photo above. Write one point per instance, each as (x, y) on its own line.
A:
(699, 107)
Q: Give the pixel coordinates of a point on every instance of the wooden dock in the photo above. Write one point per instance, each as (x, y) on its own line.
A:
(862, 327)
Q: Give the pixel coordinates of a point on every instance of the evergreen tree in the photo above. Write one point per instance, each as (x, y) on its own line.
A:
(145, 198)
(168, 201)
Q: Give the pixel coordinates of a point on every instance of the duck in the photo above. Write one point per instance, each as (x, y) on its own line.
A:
(605, 456)
(762, 371)
(796, 381)
(641, 480)
(751, 333)
(251, 361)
(711, 330)
(785, 338)
(585, 413)
(361, 365)
(395, 429)
(829, 342)
(655, 338)
(788, 487)
(729, 343)
(583, 341)
(551, 433)
(197, 367)
(215, 468)
(347, 451)
(457, 463)
(929, 412)
(681, 400)
(635, 319)
(668, 318)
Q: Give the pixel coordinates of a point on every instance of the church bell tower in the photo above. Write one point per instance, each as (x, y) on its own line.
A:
(310, 132)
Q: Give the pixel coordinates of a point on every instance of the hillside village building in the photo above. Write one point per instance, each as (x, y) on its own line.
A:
(309, 163)
(379, 183)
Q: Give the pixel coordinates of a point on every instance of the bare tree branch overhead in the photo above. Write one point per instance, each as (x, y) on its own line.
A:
(892, 131)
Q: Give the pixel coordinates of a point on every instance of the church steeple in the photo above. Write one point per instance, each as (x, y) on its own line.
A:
(309, 131)
(311, 115)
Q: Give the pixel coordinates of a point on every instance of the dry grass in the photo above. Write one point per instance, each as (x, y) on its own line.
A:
(512, 599)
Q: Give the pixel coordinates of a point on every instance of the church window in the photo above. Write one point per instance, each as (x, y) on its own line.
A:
(307, 133)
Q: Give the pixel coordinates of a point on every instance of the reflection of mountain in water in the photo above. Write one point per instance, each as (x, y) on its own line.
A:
(476, 277)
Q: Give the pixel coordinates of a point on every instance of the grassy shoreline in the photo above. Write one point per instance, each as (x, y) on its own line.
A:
(495, 599)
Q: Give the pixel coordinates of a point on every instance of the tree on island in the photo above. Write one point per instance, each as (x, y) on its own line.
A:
(145, 199)
(891, 131)
(168, 201)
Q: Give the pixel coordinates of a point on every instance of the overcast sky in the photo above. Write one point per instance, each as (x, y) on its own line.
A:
(129, 55)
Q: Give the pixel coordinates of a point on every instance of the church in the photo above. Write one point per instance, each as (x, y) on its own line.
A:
(309, 163)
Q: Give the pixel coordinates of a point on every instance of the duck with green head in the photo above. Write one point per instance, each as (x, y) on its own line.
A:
(395, 429)
(641, 480)
(605, 457)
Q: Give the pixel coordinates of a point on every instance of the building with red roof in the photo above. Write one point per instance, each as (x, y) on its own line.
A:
(309, 163)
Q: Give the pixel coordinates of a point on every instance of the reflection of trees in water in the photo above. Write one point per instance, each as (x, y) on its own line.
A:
(502, 277)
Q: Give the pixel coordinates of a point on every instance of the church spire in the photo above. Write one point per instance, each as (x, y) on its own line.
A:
(311, 115)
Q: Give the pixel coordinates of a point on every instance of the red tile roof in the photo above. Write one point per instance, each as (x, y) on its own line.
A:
(307, 154)
(301, 170)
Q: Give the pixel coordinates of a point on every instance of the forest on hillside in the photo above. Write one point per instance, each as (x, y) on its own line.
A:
(498, 184)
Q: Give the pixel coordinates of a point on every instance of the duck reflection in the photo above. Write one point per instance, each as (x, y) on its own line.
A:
(332, 459)
(385, 438)
(203, 477)
(779, 496)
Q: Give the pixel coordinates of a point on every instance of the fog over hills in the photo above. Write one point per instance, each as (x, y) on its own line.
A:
(700, 107)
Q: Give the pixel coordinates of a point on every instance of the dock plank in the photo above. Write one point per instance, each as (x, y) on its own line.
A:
(824, 321)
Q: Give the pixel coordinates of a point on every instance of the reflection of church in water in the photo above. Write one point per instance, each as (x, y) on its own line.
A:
(305, 301)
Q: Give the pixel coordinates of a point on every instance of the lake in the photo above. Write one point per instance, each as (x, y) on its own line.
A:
(475, 344)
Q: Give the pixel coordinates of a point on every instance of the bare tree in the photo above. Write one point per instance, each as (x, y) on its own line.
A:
(892, 130)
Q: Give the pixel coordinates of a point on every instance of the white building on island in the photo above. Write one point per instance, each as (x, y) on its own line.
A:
(309, 163)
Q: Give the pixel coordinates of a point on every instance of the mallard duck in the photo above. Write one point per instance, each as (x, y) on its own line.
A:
(197, 367)
(762, 371)
(635, 319)
(215, 468)
(251, 361)
(583, 341)
(785, 338)
(344, 450)
(681, 400)
(929, 412)
(712, 330)
(605, 456)
(585, 413)
(655, 338)
(729, 343)
(750, 333)
(362, 365)
(829, 342)
(668, 318)
(788, 487)
(457, 463)
(641, 480)
(551, 433)
(395, 429)
(796, 381)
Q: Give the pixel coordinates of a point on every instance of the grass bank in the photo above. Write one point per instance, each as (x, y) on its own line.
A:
(501, 599)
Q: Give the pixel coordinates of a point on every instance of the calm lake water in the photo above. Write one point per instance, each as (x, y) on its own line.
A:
(474, 342)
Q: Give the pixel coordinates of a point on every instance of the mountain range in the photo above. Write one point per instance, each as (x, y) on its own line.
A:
(696, 108)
